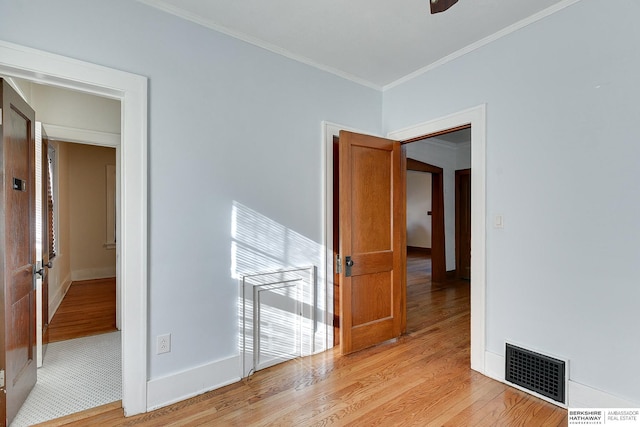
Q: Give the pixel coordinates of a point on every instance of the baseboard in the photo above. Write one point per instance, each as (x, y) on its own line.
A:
(186, 384)
(583, 396)
(54, 303)
(419, 249)
(578, 395)
(494, 366)
(93, 273)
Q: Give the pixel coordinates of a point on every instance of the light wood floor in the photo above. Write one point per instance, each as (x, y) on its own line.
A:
(88, 308)
(422, 379)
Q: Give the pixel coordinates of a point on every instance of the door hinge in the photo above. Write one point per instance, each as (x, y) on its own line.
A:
(0, 116)
(2, 378)
(338, 264)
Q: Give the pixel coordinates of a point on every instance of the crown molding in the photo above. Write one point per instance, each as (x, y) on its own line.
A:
(480, 43)
(181, 13)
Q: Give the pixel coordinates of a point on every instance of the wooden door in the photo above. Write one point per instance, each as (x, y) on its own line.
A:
(463, 223)
(372, 241)
(17, 235)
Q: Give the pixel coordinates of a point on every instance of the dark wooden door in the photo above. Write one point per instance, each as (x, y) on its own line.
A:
(17, 235)
(463, 223)
(372, 241)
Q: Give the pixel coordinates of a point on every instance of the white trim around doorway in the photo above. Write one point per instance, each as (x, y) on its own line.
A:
(477, 118)
(131, 90)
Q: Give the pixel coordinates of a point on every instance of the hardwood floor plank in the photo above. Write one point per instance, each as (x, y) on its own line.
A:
(421, 379)
(88, 308)
(113, 409)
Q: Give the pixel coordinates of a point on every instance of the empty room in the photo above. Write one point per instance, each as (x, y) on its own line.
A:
(262, 154)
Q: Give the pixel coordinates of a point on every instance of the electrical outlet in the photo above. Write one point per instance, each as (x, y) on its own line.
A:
(164, 344)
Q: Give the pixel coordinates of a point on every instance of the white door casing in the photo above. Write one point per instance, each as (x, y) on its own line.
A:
(475, 116)
(131, 90)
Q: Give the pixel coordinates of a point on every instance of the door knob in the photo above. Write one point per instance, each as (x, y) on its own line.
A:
(348, 263)
(40, 272)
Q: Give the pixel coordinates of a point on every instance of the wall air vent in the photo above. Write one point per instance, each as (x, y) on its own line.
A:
(536, 372)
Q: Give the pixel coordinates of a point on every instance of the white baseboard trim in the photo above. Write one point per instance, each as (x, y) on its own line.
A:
(93, 273)
(54, 303)
(578, 395)
(582, 396)
(186, 384)
(494, 366)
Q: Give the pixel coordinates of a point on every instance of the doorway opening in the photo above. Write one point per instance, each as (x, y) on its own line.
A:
(445, 156)
(475, 119)
(426, 214)
(131, 222)
(430, 225)
(75, 242)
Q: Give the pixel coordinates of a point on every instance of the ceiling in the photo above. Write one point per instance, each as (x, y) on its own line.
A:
(461, 136)
(374, 42)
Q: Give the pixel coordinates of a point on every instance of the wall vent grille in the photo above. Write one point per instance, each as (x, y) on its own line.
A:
(536, 372)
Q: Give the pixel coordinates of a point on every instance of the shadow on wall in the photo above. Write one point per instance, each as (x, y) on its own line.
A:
(281, 308)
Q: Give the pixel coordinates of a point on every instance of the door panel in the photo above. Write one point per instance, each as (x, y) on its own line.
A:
(17, 232)
(375, 293)
(373, 234)
(371, 199)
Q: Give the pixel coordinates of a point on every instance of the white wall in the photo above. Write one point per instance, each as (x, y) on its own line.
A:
(64, 107)
(449, 157)
(418, 204)
(562, 160)
(234, 144)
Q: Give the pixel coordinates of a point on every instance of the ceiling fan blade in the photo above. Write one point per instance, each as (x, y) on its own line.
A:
(441, 5)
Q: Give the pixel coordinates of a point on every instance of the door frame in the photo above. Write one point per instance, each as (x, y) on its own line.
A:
(131, 219)
(476, 117)
(438, 252)
(458, 218)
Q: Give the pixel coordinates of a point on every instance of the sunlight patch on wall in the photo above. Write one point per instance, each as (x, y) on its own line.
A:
(282, 310)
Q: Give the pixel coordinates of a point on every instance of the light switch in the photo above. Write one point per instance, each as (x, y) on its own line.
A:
(498, 222)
